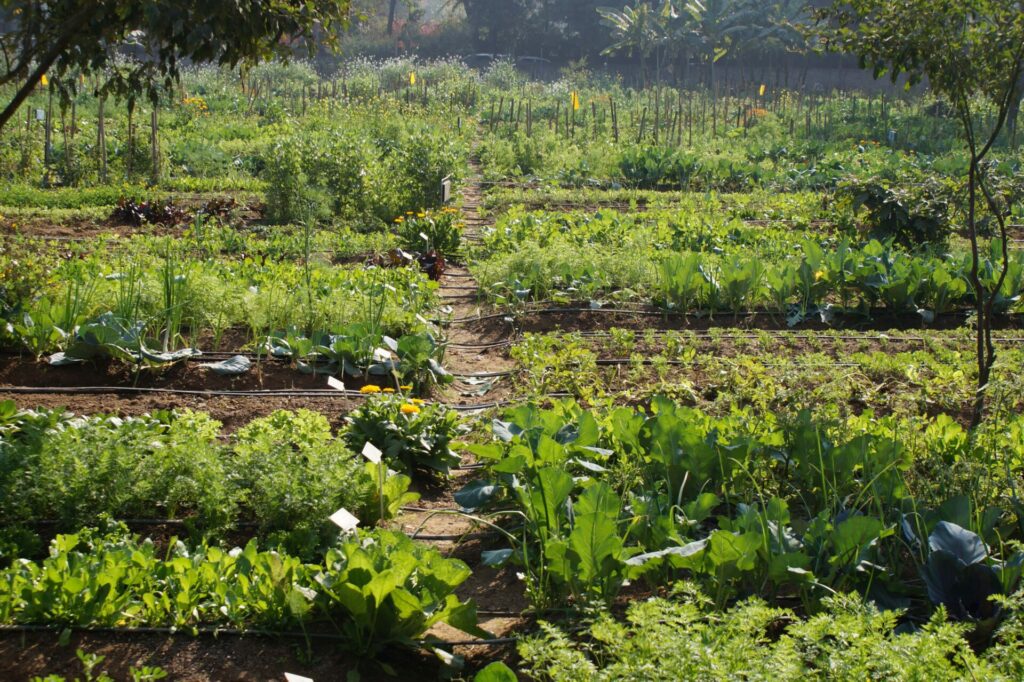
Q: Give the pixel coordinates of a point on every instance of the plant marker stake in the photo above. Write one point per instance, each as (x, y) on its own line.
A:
(344, 520)
(292, 677)
(335, 384)
(373, 453)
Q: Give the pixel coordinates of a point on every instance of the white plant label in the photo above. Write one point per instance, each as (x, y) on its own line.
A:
(372, 453)
(335, 384)
(292, 677)
(344, 520)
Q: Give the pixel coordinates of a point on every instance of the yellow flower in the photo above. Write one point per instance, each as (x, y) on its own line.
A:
(408, 408)
(417, 401)
(370, 388)
(407, 387)
(421, 215)
(387, 390)
(399, 219)
(820, 274)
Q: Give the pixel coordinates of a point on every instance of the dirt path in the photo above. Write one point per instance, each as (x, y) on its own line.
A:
(473, 348)
(497, 592)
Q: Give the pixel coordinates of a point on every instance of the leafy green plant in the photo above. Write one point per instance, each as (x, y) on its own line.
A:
(287, 190)
(389, 590)
(75, 469)
(377, 589)
(848, 639)
(90, 662)
(412, 434)
(962, 577)
(912, 215)
(111, 337)
(426, 231)
(295, 474)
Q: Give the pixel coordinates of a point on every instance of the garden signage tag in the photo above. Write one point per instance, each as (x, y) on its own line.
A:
(344, 520)
(371, 452)
(292, 677)
(335, 384)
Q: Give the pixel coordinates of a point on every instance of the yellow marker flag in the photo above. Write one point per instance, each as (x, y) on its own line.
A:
(412, 78)
(575, 101)
(761, 92)
(44, 80)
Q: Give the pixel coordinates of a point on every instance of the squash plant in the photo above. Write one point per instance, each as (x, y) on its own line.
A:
(412, 434)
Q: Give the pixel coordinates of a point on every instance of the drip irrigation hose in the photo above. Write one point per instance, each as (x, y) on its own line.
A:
(236, 632)
(178, 522)
(286, 393)
(629, 311)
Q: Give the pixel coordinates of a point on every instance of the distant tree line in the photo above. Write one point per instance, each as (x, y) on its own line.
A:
(660, 30)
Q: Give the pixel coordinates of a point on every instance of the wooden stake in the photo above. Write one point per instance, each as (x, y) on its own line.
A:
(155, 144)
(101, 139)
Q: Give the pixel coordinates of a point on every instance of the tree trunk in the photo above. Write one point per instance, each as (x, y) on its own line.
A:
(1014, 112)
(979, 295)
(101, 139)
(391, 16)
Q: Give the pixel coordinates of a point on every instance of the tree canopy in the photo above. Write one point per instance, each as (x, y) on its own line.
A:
(68, 39)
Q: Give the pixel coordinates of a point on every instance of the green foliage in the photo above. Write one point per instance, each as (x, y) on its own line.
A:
(741, 505)
(221, 33)
(390, 590)
(76, 469)
(296, 474)
(686, 638)
(377, 589)
(288, 195)
(426, 231)
(911, 216)
(414, 436)
(286, 473)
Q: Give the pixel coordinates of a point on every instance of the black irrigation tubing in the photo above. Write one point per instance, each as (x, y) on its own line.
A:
(265, 393)
(479, 375)
(481, 346)
(779, 335)
(783, 335)
(454, 537)
(243, 525)
(285, 393)
(618, 362)
(626, 311)
(236, 632)
(140, 522)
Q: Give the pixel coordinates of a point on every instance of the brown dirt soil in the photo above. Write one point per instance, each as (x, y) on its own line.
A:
(648, 318)
(186, 376)
(233, 412)
(82, 227)
(203, 658)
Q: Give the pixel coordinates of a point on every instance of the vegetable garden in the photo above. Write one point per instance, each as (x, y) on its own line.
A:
(677, 384)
